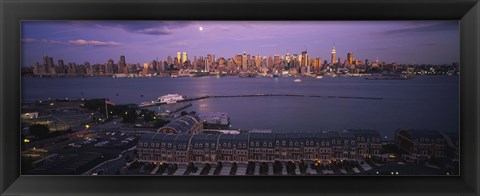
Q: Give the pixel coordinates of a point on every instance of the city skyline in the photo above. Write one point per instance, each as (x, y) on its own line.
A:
(403, 42)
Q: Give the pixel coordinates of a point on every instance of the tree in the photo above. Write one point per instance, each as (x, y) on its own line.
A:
(183, 113)
(39, 131)
(130, 115)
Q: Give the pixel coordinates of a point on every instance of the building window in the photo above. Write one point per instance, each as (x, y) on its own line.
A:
(200, 145)
(251, 143)
(290, 143)
(229, 145)
(270, 144)
(213, 145)
(277, 143)
(264, 144)
(296, 143)
(152, 144)
(284, 143)
(333, 142)
(257, 144)
(196, 145)
(363, 139)
(206, 145)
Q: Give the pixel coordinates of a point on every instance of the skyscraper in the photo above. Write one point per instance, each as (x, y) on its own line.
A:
(122, 65)
(244, 61)
(184, 57)
(334, 55)
(179, 58)
(350, 58)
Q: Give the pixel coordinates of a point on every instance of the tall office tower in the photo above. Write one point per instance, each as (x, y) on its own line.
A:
(169, 60)
(209, 62)
(287, 58)
(294, 61)
(184, 57)
(276, 60)
(109, 67)
(270, 63)
(339, 61)
(334, 55)
(258, 61)
(238, 61)
(304, 61)
(350, 58)
(244, 61)
(61, 64)
(179, 58)
(317, 65)
(366, 62)
(145, 69)
(122, 66)
(213, 57)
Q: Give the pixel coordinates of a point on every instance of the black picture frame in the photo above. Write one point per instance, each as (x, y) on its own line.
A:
(12, 12)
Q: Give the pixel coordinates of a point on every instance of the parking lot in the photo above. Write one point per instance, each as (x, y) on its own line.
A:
(82, 152)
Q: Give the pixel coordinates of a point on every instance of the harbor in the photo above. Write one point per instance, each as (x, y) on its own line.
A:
(154, 103)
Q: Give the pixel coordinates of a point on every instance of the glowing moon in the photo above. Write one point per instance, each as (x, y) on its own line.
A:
(200, 28)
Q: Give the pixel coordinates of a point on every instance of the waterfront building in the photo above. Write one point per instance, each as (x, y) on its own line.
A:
(188, 124)
(421, 144)
(368, 142)
(261, 147)
(255, 146)
(233, 148)
(203, 148)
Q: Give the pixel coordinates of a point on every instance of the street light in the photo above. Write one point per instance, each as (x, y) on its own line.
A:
(87, 126)
(26, 140)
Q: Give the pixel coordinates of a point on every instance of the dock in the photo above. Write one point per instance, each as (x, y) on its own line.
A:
(261, 95)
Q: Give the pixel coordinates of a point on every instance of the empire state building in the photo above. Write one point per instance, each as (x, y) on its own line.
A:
(334, 55)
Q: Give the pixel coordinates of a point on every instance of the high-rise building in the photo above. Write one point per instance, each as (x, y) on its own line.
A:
(244, 61)
(317, 65)
(169, 60)
(184, 57)
(238, 61)
(276, 60)
(350, 58)
(109, 67)
(179, 58)
(334, 55)
(304, 60)
(122, 65)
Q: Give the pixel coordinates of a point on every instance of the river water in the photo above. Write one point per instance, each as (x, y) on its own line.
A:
(425, 102)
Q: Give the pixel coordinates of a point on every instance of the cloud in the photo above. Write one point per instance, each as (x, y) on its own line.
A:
(145, 27)
(82, 42)
(442, 26)
(29, 40)
(47, 41)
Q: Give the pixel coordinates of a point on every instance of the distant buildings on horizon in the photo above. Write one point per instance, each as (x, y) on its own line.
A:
(290, 64)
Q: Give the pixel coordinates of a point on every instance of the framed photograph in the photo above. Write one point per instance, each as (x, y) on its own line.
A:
(280, 97)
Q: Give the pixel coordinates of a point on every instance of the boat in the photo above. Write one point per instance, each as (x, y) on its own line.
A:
(319, 77)
(297, 80)
(170, 98)
(119, 76)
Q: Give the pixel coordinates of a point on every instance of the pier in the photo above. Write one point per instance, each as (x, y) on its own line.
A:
(262, 95)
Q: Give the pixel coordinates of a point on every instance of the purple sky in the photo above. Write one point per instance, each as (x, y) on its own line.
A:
(419, 42)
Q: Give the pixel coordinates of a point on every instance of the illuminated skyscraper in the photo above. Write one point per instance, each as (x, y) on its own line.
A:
(184, 57)
(244, 61)
(334, 55)
(179, 58)
(350, 58)
(304, 60)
